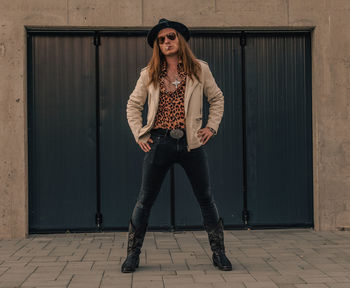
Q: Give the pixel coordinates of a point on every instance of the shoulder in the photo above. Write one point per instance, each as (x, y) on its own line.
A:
(203, 63)
(204, 66)
(144, 73)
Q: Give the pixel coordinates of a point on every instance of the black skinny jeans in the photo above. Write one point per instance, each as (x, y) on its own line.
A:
(164, 152)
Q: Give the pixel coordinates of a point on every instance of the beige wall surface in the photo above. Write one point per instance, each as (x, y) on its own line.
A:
(330, 81)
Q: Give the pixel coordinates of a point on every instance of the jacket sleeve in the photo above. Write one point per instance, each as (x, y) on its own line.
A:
(215, 98)
(135, 105)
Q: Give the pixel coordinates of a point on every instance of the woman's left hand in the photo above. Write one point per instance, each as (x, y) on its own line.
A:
(204, 134)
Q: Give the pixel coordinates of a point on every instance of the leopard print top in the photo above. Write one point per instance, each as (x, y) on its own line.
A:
(171, 110)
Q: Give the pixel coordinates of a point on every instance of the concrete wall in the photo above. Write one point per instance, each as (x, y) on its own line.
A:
(330, 81)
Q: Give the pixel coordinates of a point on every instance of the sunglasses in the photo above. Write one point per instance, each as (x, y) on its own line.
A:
(171, 36)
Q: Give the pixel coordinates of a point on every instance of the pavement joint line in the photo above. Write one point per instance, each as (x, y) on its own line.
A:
(188, 267)
(36, 268)
(171, 257)
(103, 273)
(61, 272)
(109, 254)
(83, 256)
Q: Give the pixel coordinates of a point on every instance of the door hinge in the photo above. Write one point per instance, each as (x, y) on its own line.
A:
(97, 40)
(243, 39)
(245, 217)
(98, 218)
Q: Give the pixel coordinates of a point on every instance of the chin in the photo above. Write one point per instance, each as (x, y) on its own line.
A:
(170, 52)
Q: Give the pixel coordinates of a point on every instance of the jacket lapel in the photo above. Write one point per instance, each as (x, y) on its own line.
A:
(190, 85)
(154, 94)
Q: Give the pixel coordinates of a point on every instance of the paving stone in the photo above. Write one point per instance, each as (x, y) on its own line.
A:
(316, 279)
(173, 267)
(287, 279)
(46, 283)
(337, 285)
(105, 266)
(91, 279)
(342, 279)
(238, 278)
(189, 285)
(310, 285)
(148, 284)
(260, 284)
(229, 285)
(190, 272)
(177, 279)
(208, 278)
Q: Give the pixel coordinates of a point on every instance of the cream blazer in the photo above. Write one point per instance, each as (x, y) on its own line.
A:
(193, 103)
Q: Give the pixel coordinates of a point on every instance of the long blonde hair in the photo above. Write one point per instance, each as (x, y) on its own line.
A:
(190, 63)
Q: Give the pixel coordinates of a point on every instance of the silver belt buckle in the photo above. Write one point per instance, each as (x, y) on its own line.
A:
(176, 133)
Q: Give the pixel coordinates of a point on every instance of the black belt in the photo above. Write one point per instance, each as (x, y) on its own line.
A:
(175, 133)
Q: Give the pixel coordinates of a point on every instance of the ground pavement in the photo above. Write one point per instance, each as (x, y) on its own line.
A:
(284, 258)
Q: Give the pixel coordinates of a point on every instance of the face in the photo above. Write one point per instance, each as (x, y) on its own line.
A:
(168, 46)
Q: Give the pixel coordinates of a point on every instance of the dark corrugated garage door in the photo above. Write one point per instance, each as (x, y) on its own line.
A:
(84, 178)
(62, 143)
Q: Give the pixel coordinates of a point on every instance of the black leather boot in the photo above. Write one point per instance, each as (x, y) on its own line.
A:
(216, 240)
(135, 241)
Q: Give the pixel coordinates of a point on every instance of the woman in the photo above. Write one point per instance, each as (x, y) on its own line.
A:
(174, 82)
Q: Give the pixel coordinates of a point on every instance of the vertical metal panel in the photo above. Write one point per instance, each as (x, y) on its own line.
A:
(121, 59)
(222, 52)
(63, 187)
(279, 139)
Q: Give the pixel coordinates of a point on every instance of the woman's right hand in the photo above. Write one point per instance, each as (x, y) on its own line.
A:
(145, 146)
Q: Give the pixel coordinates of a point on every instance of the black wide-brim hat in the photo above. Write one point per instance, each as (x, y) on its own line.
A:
(164, 23)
